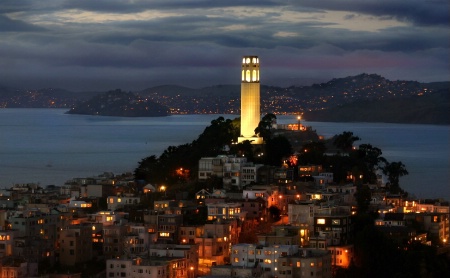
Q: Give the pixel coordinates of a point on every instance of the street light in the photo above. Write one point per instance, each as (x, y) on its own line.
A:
(163, 188)
(299, 118)
(191, 269)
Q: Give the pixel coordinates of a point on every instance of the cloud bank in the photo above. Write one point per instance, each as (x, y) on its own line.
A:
(104, 44)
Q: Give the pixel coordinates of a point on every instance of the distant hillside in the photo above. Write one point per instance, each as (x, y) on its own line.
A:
(431, 108)
(41, 98)
(120, 104)
(292, 100)
(332, 96)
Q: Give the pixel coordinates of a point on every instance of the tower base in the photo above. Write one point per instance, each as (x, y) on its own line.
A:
(253, 140)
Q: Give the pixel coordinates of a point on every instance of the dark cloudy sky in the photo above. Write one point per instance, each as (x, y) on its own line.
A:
(135, 44)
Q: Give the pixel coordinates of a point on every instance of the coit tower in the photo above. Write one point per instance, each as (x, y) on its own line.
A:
(250, 100)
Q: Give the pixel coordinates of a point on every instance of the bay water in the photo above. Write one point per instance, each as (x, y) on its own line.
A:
(47, 146)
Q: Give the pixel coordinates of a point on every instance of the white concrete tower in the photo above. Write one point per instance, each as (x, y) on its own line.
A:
(250, 100)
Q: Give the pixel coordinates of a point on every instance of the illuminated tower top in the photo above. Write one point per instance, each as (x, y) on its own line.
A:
(250, 69)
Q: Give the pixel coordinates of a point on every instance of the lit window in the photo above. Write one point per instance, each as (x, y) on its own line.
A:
(321, 221)
(247, 76)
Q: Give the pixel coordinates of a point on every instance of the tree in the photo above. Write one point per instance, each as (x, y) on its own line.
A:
(363, 197)
(245, 149)
(275, 213)
(211, 142)
(312, 153)
(264, 128)
(276, 149)
(345, 141)
(394, 171)
(371, 155)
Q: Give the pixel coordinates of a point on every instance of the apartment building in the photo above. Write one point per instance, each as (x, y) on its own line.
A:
(75, 245)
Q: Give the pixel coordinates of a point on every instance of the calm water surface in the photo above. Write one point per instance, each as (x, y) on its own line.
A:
(50, 147)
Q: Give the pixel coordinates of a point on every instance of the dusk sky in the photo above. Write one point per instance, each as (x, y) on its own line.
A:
(87, 45)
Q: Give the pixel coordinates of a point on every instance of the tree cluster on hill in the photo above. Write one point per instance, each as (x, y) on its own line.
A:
(220, 137)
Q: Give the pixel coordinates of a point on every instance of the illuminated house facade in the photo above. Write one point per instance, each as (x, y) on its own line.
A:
(250, 100)
(215, 243)
(225, 211)
(339, 226)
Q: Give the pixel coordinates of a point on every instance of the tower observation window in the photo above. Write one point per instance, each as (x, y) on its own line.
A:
(247, 76)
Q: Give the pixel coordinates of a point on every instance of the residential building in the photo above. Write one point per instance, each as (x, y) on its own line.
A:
(167, 228)
(339, 226)
(215, 241)
(116, 202)
(225, 211)
(251, 255)
(304, 263)
(150, 267)
(75, 245)
(281, 235)
(17, 267)
(113, 240)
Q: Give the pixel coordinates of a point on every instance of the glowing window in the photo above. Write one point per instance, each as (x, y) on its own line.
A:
(254, 77)
(321, 221)
(247, 60)
(247, 76)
